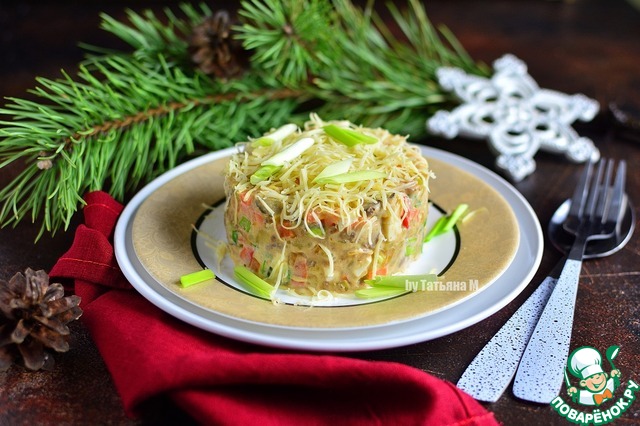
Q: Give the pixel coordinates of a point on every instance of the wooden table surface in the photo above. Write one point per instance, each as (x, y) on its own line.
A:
(581, 46)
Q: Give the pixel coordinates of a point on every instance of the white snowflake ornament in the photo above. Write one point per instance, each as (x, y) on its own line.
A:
(515, 115)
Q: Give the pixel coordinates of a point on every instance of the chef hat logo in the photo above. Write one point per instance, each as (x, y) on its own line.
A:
(585, 362)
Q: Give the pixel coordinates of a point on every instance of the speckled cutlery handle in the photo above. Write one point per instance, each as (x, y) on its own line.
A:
(492, 369)
(541, 370)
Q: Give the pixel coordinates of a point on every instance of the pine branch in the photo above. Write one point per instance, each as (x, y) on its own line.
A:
(115, 132)
(387, 80)
(289, 37)
(379, 78)
(128, 116)
(150, 36)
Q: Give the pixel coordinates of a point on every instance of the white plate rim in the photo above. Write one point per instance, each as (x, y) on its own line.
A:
(462, 315)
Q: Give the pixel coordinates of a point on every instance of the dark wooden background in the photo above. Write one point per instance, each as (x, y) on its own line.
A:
(585, 46)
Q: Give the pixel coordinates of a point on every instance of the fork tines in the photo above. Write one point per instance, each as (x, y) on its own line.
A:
(617, 199)
(597, 198)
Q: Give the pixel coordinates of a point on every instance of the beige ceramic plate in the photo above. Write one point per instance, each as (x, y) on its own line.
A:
(161, 232)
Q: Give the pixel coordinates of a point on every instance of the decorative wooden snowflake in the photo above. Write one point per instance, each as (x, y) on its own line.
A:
(515, 115)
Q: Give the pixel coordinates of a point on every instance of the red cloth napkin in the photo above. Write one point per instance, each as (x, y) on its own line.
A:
(221, 381)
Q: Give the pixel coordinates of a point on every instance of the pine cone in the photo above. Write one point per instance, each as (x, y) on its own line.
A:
(214, 50)
(34, 316)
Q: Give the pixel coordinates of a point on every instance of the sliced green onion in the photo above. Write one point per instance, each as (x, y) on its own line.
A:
(196, 277)
(347, 136)
(336, 168)
(411, 247)
(400, 281)
(245, 223)
(375, 292)
(282, 132)
(437, 229)
(264, 172)
(446, 223)
(263, 141)
(234, 236)
(253, 281)
(352, 177)
(289, 153)
(317, 230)
(277, 135)
(453, 218)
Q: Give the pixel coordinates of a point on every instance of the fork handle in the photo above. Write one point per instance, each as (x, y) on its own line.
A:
(541, 370)
(491, 371)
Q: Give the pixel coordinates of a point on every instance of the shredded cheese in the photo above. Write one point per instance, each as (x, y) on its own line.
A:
(403, 165)
(330, 256)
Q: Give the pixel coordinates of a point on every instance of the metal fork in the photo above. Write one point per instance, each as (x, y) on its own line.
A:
(493, 368)
(595, 211)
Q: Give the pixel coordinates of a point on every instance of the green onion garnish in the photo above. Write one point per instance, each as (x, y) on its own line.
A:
(352, 177)
(348, 137)
(253, 281)
(400, 281)
(437, 229)
(289, 153)
(337, 168)
(282, 132)
(446, 223)
(277, 135)
(395, 285)
(411, 247)
(453, 218)
(317, 230)
(275, 163)
(375, 292)
(263, 141)
(245, 224)
(263, 173)
(196, 277)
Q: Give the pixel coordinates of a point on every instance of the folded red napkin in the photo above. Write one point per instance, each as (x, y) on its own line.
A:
(221, 381)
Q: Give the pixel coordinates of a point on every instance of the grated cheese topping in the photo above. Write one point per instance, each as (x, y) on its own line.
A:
(301, 202)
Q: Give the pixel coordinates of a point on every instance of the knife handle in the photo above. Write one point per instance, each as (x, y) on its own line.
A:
(541, 371)
(492, 369)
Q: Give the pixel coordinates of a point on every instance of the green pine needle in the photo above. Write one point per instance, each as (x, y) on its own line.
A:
(287, 36)
(127, 116)
(119, 131)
